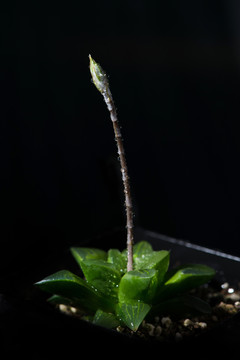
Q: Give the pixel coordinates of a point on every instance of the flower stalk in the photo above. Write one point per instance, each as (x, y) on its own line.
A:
(100, 80)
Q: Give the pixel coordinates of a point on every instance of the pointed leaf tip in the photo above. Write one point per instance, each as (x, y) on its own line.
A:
(132, 313)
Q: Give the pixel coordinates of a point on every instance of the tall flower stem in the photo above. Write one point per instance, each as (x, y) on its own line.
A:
(101, 82)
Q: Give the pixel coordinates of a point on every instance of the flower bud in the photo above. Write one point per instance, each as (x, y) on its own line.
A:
(98, 76)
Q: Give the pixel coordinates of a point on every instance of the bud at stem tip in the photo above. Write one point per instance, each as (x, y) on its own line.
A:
(98, 76)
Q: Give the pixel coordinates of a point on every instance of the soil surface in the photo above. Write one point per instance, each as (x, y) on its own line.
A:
(223, 299)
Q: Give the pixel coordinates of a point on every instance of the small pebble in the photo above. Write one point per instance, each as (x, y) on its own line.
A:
(233, 297)
(120, 329)
(229, 308)
(225, 286)
(187, 323)
(202, 325)
(63, 308)
(158, 331)
(150, 329)
(237, 305)
(166, 321)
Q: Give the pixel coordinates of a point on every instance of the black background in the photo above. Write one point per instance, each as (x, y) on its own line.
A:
(174, 74)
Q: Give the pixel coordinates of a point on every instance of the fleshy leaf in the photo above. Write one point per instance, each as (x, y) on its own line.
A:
(118, 260)
(142, 248)
(158, 260)
(82, 253)
(138, 285)
(185, 278)
(66, 284)
(104, 319)
(102, 276)
(74, 302)
(132, 314)
(58, 300)
(183, 305)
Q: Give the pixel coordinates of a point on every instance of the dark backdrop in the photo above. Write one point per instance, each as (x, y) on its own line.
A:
(174, 74)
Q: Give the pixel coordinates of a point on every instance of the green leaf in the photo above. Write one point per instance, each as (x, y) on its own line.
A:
(140, 251)
(67, 285)
(141, 248)
(118, 260)
(158, 260)
(183, 305)
(132, 314)
(74, 302)
(197, 304)
(185, 278)
(138, 285)
(102, 276)
(106, 320)
(82, 253)
(58, 300)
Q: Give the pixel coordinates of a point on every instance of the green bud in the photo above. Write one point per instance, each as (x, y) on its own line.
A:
(98, 76)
